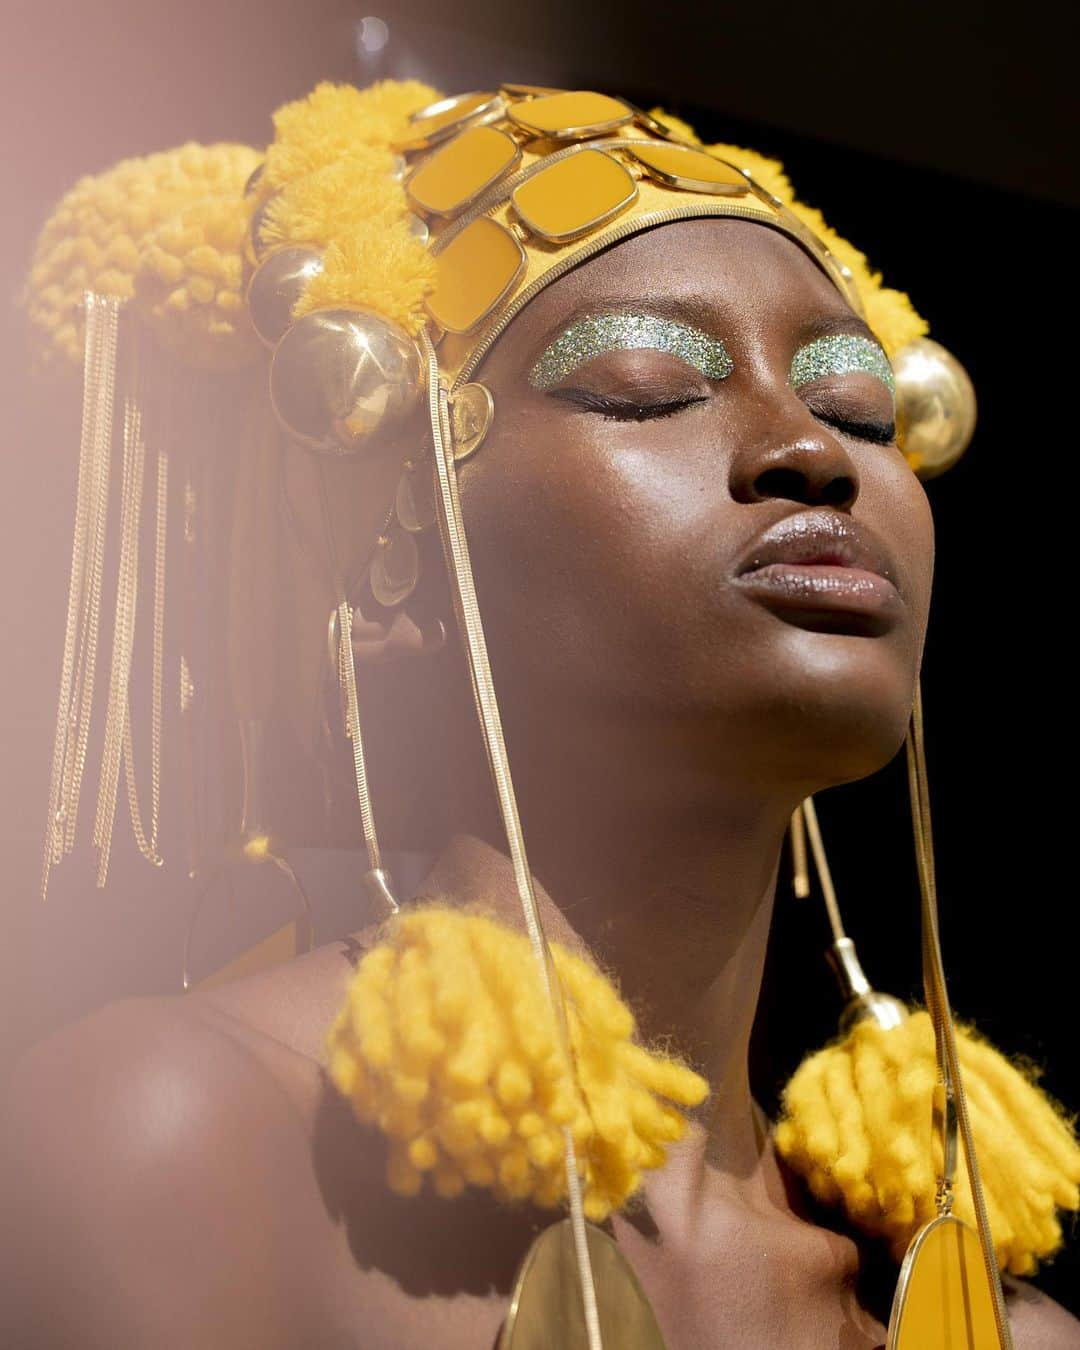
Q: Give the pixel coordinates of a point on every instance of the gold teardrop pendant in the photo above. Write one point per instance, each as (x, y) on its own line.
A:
(546, 1309)
(943, 1299)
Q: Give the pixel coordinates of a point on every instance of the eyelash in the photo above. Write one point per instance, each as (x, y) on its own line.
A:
(624, 410)
(878, 433)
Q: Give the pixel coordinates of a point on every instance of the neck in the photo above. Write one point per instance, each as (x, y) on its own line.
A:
(672, 891)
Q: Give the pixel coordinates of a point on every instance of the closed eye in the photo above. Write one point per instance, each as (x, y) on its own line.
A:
(625, 409)
(879, 433)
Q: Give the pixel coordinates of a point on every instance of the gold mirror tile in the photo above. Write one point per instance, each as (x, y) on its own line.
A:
(569, 116)
(460, 171)
(574, 195)
(475, 271)
(438, 121)
(682, 166)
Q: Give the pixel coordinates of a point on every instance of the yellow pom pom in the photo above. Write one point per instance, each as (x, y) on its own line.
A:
(498, 1090)
(857, 1126)
(164, 231)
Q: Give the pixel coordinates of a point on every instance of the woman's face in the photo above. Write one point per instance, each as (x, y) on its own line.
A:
(665, 539)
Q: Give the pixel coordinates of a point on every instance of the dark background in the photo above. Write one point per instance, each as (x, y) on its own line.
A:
(940, 141)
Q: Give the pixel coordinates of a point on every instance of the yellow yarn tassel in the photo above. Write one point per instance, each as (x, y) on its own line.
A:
(446, 1041)
(856, 1125)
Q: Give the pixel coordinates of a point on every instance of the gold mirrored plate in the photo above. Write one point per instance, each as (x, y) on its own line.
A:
(571, 115)
(438, 121)
(471, 411)
(546, 1309)
(475, 271)
(943, 1298)
(455, 175)
(682, 166)
(574, 196)
(395, 568)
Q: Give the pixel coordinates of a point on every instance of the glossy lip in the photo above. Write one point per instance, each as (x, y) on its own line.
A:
(823, 569)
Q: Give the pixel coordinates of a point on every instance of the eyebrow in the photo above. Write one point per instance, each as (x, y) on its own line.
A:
(836, 325)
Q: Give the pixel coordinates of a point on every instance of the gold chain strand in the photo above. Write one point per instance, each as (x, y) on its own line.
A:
(55, 824)
(86, 664)
(800, 875)
(347, 677)
(821, 862)
(148, 846)
(75, 701)
(454, 542)
(127, 594)
(934, 980)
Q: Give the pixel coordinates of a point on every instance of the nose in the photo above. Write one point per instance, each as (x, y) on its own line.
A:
(797, 462)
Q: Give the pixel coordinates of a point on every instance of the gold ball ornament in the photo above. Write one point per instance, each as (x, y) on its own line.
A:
(339, 376)
(935, 406)
(276, 285)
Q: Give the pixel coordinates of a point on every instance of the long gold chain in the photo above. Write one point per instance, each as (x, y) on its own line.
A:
(78, 664)
(127, 592)
(148, 846)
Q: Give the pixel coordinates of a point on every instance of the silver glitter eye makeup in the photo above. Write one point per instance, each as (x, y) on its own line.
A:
(628, 332)
(841, 354)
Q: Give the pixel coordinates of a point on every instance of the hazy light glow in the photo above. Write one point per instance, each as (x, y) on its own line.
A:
(372, 35)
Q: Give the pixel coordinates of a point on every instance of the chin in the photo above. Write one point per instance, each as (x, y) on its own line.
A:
(840, 712)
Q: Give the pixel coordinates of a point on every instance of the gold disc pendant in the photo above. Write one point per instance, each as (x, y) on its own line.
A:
(546, 1312)
(943, 1299)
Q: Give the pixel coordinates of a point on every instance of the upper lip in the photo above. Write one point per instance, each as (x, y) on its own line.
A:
(825, 538)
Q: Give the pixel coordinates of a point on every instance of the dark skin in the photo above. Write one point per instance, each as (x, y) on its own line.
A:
(182, 1171)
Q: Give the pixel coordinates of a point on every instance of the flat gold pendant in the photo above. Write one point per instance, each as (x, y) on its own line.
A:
(943, 1299)
(546, 1311)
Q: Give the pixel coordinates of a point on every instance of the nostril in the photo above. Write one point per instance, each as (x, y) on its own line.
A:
(794, 485)
(839, 491)
(789, 483)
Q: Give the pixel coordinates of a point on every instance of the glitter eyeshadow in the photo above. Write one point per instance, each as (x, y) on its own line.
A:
(627, 332)
(841, 354)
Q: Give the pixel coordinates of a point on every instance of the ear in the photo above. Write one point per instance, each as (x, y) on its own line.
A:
(399, 638)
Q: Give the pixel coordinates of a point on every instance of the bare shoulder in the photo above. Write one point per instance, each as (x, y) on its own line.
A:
(125, 1136)
(1038, 1322)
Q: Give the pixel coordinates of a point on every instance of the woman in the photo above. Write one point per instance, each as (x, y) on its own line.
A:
(705, 570)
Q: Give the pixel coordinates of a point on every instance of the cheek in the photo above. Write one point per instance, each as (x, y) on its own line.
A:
(895, 502)
(575, 532)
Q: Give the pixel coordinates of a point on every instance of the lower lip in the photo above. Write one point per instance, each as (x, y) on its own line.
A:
(822, 587)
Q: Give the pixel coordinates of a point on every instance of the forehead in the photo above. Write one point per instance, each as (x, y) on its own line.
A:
(708, 271)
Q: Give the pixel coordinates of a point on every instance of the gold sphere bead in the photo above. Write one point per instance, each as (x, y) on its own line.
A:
(339, 376)
(935, 406)
(276, 284)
